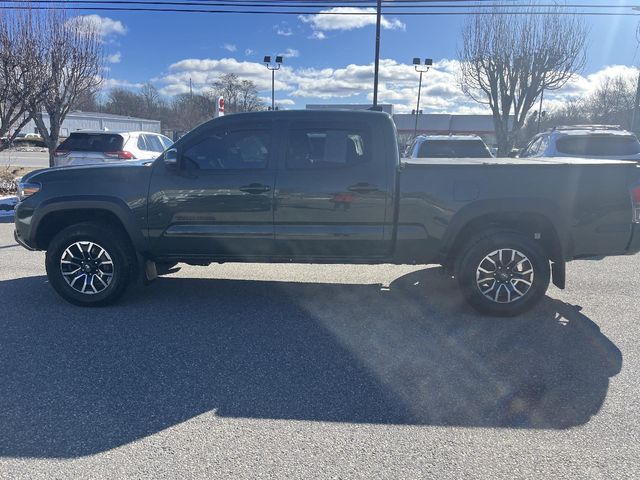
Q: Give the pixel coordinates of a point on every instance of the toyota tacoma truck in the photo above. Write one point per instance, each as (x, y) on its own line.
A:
(326, 187)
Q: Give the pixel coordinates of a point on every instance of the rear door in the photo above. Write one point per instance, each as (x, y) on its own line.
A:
(332, 192)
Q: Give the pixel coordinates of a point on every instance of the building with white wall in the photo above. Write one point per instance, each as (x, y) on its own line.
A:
(98, 121)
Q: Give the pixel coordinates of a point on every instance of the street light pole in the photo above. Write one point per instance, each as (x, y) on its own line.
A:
(376, 67)
(421, 69)
(273, 67)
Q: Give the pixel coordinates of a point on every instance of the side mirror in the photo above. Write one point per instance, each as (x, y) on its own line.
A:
(171, 158)
(515, 153)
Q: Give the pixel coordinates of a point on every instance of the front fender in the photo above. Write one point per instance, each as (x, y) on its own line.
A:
(121, 210)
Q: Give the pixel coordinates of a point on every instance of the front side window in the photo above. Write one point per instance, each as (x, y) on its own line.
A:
(312, 148)
(533, 147)
(224, 150)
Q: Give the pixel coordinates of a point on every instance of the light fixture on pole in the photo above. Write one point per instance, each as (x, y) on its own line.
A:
(273, 67)
(417, 64)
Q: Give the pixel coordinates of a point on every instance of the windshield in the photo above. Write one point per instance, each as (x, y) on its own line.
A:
(92, 142)
(598, 145)
(454, 148)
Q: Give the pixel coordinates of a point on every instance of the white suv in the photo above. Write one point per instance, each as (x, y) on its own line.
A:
(590, 141)
(99, 146)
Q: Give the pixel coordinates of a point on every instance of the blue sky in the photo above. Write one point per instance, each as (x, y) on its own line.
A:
(328, 59)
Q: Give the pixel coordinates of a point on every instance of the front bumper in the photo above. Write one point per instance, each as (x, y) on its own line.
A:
(19, 240)
(23, 232)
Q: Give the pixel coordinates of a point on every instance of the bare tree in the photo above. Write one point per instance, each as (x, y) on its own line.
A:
(22, 78)
(190, 110)
(239, 95)
(508, 59)
(74, 69)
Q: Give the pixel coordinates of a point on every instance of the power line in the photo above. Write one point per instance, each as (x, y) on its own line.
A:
(415, 4)
(233, 7)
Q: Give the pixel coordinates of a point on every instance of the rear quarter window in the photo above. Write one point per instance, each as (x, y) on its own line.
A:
(92, 142)
(598, 145)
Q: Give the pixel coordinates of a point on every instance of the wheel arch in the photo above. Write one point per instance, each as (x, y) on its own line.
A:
(543, 223)
(55, 216)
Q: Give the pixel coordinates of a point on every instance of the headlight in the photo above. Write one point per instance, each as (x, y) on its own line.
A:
(26, 189)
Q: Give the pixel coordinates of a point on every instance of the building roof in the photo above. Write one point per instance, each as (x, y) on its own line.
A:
(444, 123)
(79, 113)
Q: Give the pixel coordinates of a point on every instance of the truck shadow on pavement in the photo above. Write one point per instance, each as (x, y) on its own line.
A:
(76, 382)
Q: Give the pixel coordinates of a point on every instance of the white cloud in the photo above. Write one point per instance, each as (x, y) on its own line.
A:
(349, 18)
(248, 52)
(283, 29)
(230, 47)
(284, 102)
(317, 35)
(114, 57)
(290, 53)
(105, 26)
(204, 72)
(354, 83)
(109, 83)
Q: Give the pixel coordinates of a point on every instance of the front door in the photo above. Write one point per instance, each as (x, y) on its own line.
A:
(218, 201)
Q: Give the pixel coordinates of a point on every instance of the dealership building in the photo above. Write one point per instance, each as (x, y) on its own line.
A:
(97, 121)
(429, 123)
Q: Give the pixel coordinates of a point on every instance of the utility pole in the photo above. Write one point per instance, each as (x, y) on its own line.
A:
(376, 67)
(636, 108)
(540, 110)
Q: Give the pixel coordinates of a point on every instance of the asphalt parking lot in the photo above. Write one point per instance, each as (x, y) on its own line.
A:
(294, 371)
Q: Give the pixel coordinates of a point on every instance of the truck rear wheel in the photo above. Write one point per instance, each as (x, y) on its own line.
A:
(89, 265)
(503, 273)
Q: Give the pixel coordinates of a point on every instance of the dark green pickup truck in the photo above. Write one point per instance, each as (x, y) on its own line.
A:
(327, 187)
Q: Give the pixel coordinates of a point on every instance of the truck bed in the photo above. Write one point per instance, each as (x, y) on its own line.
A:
(513, 161)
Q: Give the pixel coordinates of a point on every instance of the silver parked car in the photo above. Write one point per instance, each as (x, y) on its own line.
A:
(605, 142)
(99, 146)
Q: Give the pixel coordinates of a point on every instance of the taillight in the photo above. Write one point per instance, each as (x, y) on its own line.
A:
(121, 155)
(61, 153)
(635, 196)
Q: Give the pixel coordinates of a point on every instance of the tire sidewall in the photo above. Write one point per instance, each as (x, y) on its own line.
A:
(102, 237)
(479, 249)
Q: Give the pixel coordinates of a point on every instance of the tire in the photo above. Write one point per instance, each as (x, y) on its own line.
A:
(89, 252)
(504, 286)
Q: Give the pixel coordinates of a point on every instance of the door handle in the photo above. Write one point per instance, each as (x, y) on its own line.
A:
(362, 187)
(255, 188)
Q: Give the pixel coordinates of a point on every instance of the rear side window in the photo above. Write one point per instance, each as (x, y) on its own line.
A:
(92, 142)
(153, 143)
(312, 148)
(142, 145)
(598, 145)
(454, 149)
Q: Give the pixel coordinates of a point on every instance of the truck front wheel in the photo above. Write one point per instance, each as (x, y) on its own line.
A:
(89, 265)
(503, 273)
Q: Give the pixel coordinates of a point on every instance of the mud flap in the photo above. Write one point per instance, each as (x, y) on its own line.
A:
(150, 272)
(559, 274)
